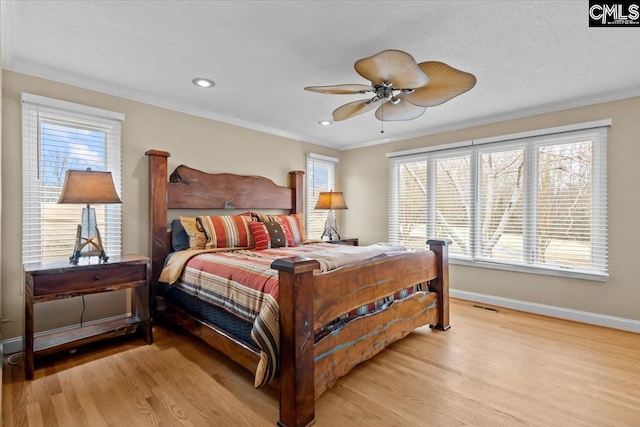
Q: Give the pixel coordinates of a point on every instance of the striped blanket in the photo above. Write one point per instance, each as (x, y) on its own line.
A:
(242, 282)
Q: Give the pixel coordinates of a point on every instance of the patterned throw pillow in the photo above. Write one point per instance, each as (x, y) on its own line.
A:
(226, 231)
(268, 235)
(254, 216)
(197, 238)
(295, 222)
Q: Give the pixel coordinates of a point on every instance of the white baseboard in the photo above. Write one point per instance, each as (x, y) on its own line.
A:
(551, 311)
(15, 345)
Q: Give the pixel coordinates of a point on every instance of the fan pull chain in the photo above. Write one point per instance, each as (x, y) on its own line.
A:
(382, 117)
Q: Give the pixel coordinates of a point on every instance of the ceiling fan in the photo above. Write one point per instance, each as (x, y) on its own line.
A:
(402, 89)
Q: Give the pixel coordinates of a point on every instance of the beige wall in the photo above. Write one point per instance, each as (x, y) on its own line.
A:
(366, 169)
(201, 143)
(364, 181)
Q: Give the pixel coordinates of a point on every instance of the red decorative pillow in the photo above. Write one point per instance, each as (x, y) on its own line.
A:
(226, 231)
(287, 234)
(270, 234)
(295, 222)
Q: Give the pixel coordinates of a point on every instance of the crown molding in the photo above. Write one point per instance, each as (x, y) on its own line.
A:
(7, 11)
(518, 114)
(77, 81)
(93, 85)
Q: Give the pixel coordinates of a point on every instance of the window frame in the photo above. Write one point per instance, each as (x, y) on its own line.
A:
(530, 142)
(324, 161)
(37, 110)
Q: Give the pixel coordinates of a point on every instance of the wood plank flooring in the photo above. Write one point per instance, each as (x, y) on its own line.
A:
(490, 369)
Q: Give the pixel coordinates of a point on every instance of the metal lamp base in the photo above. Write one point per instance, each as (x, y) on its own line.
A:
(88, 241)
(330, 232)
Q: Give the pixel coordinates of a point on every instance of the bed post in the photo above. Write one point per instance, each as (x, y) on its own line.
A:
(441, 283)
(296, 183)
(297, 390)
(159, 246)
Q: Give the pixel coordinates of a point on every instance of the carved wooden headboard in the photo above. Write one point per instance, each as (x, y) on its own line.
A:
(190, 188)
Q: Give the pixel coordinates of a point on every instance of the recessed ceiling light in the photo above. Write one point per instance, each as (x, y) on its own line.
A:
(203, 82)
(325, 122)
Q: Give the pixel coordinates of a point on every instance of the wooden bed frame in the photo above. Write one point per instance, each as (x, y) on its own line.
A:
(307, 369)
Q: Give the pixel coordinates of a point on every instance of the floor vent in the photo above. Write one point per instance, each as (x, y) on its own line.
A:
(480, 307)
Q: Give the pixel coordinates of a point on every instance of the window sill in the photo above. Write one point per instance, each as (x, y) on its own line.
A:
(535, 270)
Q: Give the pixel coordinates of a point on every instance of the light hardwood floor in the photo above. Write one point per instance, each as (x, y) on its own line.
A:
(490, 369)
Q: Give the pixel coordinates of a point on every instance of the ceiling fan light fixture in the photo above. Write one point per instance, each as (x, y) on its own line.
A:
(202, 82)
(396, 76)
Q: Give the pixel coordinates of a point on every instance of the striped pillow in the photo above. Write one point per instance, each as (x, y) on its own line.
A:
(269, 235)
(295, 222)
(226, 231)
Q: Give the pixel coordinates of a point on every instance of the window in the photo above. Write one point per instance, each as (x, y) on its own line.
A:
(534, 203)
(321, 176)
(58, 136)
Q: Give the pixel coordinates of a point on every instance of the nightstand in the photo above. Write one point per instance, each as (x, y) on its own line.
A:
(53, 280)
(352, 242)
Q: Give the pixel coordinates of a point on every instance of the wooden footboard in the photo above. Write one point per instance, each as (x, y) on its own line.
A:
(309, 301)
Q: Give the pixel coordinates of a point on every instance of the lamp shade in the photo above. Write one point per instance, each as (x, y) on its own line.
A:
(333, 200)
(88, 187)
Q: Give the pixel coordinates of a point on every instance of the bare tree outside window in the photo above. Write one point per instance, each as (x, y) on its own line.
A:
(321, 176)
(564, 204)
(529, 203)
(453, 210)
(412, 204)
(63, 147)
(501, 208)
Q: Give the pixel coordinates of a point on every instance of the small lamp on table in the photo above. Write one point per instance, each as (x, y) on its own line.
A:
(88, 187)
(331, 201)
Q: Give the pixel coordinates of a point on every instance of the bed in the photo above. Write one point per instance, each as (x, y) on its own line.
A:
(308, 300)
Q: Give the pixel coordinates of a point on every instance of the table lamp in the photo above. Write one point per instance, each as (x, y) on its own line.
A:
(331, 201)
(88, 187)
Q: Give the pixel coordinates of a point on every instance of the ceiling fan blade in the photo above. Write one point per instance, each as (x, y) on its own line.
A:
(353, 109)
(393, 66)
(389, 112)
(445, 83)
(340, 89)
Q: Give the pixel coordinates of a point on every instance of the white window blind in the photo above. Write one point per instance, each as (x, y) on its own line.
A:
(321, 176)
(536, 203)
(453, 202)
(58, 136)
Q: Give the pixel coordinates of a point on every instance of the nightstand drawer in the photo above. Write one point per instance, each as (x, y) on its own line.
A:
(78, 281)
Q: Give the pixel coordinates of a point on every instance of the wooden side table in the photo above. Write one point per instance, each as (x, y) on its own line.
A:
(345, 241)
(46, 281)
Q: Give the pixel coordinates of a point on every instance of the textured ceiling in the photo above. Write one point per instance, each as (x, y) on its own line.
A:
(528, 57)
